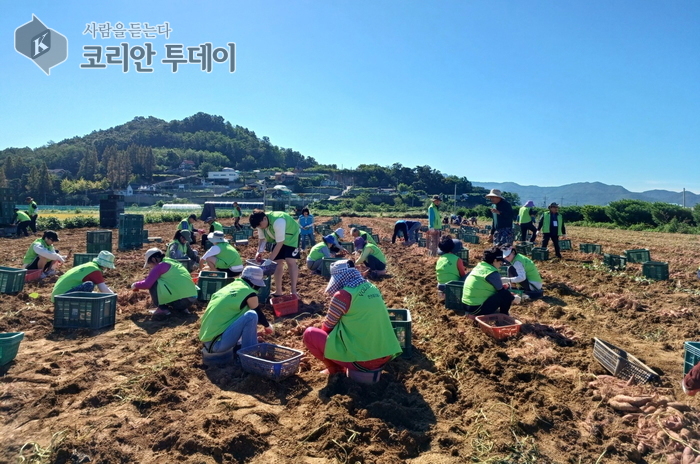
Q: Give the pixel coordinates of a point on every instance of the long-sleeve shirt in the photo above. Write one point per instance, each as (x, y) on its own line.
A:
(495, 279)
(402, 226)
(153, 276)
(504, 218)
(365, 254)
(306, 223)
(44, 253)
(517, 274)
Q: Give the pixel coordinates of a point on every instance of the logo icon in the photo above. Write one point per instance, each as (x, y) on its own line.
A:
(45, 47)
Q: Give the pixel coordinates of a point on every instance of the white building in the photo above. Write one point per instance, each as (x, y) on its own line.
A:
(226, 174)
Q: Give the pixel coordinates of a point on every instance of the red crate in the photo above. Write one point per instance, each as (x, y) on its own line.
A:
(32, 275)
(285, 305)
(499, 326)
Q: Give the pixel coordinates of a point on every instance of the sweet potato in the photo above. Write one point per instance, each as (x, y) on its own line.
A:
(649, 409)
(687, 434)
(633, 400)
(671, 459)
(688, 456)
(679, 406)
(622, 406)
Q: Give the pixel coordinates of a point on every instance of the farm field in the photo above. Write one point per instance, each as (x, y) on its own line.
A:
(140, 393)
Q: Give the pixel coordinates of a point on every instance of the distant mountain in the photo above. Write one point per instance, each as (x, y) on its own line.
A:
(588, 193)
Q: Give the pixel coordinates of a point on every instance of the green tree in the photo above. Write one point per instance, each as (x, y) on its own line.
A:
(595, 213)
(147, 163)
(89, 165)
(628, 212)
(119, 170)
(664, 213)
(206, 168)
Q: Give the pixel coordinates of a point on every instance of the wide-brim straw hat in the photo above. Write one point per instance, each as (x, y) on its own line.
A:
(495, 193)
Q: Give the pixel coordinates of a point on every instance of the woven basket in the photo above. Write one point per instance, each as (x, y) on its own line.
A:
(622, 364)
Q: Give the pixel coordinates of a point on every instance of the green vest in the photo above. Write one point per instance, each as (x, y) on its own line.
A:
(368, 237)
(291, 230)
(364, 333)
(524, 215)
(185, 225)
(376, 252)
(22, 216)
(315, 252)
(531, 272)
(217, 226)
(236, 212)
(547, 221)
(476, 289)
(224, 309)
(179, 245)
(446, 268)
(437, 223)
(73, 278)
(175, 284)
(31, 255)
(32, 208)
(228, 256)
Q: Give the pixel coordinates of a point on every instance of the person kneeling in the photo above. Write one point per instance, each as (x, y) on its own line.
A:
(222, 256)
(483, 291)
(449, 266)
(371, 256)
(524, 272)
(42, 254)
(168, 282)
(356, 333)
(233, 313)
(86, 277)
(319, 251)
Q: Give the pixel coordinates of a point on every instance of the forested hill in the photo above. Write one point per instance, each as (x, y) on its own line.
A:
(200, 138)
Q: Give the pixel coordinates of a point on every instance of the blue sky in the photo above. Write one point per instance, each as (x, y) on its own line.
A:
(534, 92)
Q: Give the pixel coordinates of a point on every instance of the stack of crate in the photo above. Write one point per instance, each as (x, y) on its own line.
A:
(7, 205)
(111, 207)
(130, 231)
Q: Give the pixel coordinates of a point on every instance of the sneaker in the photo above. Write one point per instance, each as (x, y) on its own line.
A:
(161, 312)
(50, 272)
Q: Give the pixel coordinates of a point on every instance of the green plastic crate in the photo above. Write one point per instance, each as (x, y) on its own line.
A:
(524, 248)
(229, 230)
(503, 271)
(9, 345)
(264, 292)
(84, 310)
(187, 263)
(82, 258)
(655, 270)
(349, 246)
(401, 322)
(453, 295)
(565, 245)
(210, 282)
(691, 356)
(144, 236)
(241, 235)
(638, 256)
(11, 280)
(130, 223)
(540, 254)
(129, 242)
(326, 267)
(422, 242)
(464, 255)
(614, 261)
(471, 239)
(375, 237)
(98, 240)
(590, 248)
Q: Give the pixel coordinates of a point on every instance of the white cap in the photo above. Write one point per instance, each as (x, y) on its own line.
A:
(149, 253)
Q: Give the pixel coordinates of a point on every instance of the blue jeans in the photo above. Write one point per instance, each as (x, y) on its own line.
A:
(374, 264)
(413, 233)
(84, 287)
(303, 238)
(243, 329)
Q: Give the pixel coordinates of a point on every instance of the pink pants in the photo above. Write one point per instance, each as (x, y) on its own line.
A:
(315, 341)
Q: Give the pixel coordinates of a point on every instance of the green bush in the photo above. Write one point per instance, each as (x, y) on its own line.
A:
(629, 212)
(571, 213)
(594, 213)
(48, 223)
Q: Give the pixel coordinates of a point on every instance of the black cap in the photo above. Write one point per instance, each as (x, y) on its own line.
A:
(50, 234)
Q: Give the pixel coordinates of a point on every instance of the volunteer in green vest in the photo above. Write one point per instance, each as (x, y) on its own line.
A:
(483, 292)
(180, 248)
(86, 277)
(319, 251)
(526, 219)
(42, 254)
(552, 227)
(362, 233)
(449, 266)
(168, 282)
(214, 225)
(356, 333)
(522, 271)
(233, 313)
(222, 256)
(434, 226)
(372, 257)
(188, 224)
(22, 221)
(280, 228)
(32, 211)
(237, 213)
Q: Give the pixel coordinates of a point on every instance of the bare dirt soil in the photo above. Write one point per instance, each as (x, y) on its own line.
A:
(140, 393)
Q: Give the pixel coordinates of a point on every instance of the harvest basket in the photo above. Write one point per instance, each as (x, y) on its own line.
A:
(638, 256)
(499, 326)
(82, 258)
(271, 361)
(34, 274)
(565, 245)
(453, 295)
(84, 310)
(540, 254)
(285, 305)
(622, 364)
(655, 270)
(590, 248)
(524, 248)
(9, 345)
(401, 322)
(691, 356)
(368, 377)
(614, 261)
(267, 269)
(11, 280)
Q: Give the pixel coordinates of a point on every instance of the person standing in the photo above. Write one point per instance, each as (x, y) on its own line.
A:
(526, 219)
(434, 226)
(502, 226)
(22, 221)
(306, 229)
(409, 229)
(281, 229)
(237, 213)
(32, 211)
(552, 227)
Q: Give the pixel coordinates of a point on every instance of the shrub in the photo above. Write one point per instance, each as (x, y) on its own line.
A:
(594, 213)
(48, 223)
